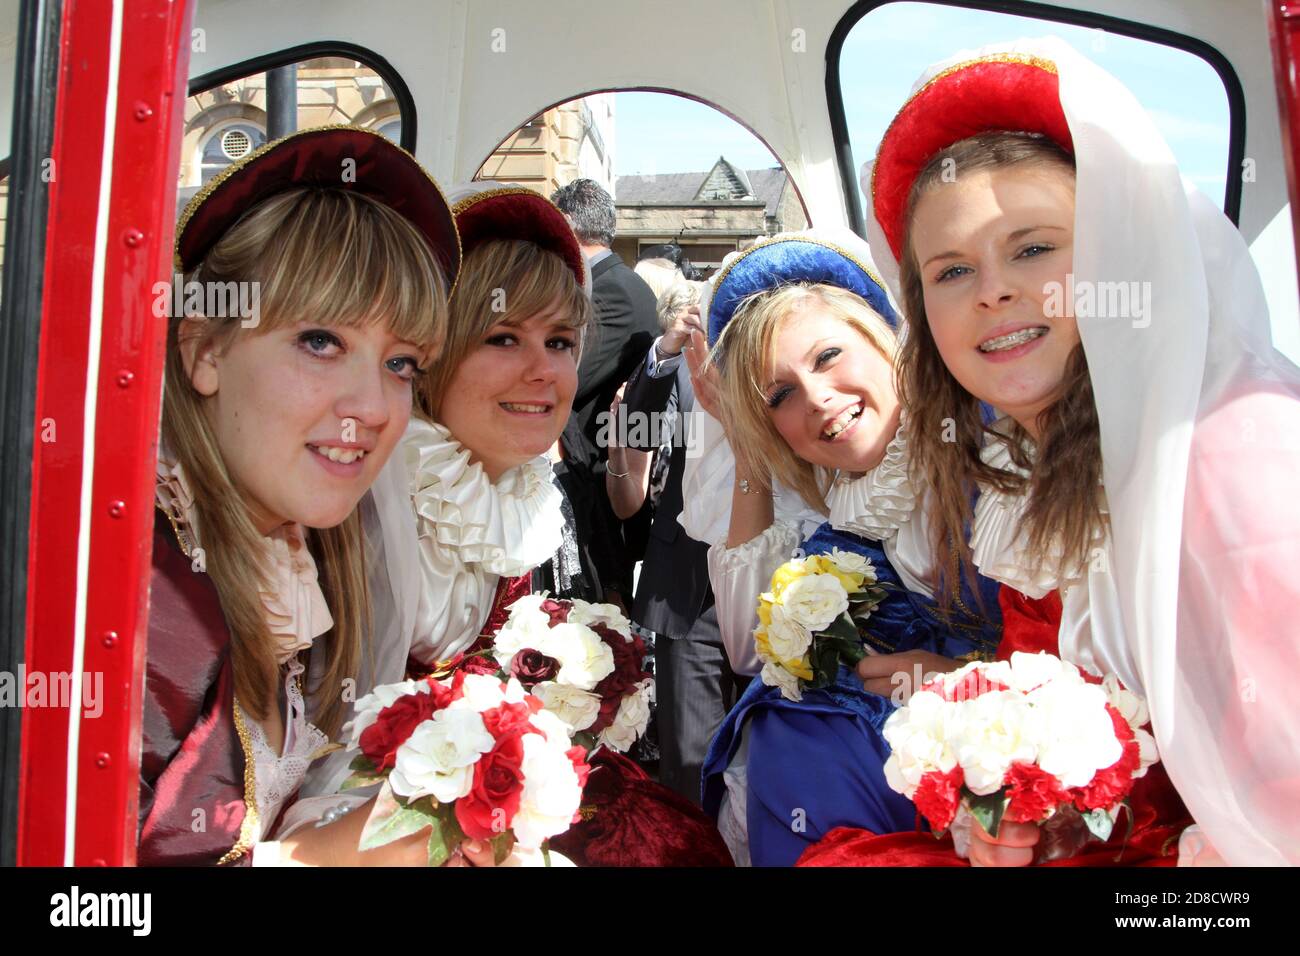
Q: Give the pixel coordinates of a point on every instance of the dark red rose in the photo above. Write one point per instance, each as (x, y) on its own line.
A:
(493, 799)
(531, 667)
(379, 741)
(938, 796)
(629, 658)
(557, 611)
(1110, 786)
(1033, 793)
(578, 757)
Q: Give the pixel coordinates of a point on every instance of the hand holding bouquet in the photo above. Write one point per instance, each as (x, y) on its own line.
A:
(471, 755)
(808, 621)
(1029, 741)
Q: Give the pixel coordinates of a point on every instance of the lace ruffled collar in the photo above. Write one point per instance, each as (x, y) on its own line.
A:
(1000, 545)
(507, 528)
(879, 502)
(292, 601)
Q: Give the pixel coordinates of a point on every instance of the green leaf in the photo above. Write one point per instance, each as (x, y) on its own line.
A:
(438, 852)
(390, 820)
(1099, 823)
(362, 780)
(987, 810)
(361, 764)
(546, 852)
(502, 844)
(842, 627)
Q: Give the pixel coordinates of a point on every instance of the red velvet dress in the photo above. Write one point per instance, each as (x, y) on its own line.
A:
(1159, 816)
(627, 818)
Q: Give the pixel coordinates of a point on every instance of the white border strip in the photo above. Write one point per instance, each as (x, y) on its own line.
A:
(98, 270)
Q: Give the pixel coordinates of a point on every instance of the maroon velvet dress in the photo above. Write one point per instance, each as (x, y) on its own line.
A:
(1159, 816)
(197, 795)
(627, 818)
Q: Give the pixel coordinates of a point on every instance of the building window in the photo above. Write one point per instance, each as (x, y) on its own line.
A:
(227, 144)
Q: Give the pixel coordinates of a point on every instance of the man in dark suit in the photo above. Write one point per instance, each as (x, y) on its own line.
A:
(626, 325)
(694, 684)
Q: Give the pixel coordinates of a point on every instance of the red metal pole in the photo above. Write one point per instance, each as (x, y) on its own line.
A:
(1284, 35)
(122, 83)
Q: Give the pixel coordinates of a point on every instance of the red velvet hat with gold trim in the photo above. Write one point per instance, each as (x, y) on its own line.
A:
(1006, 91)
(337, 157)
(489, 210)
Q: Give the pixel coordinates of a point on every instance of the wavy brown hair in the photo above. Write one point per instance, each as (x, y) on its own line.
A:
(1062, 470)
(340, 259)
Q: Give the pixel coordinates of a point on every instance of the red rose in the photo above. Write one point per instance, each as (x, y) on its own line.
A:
(479, 664)
(1110, 786)
(379, 741)
(1034, 793)
(530, 667)
(974, 683)
(578, 757)
(557, 611)
(629, 658)
(938, 797)
(506, 719)
(493, 799)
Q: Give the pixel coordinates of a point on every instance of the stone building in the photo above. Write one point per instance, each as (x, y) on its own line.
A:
(709, 213)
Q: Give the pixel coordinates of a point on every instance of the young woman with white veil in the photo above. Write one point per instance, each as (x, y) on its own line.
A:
(803, 383)
(1143, 464)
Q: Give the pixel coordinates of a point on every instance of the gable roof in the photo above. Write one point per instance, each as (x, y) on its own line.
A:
(685, 189)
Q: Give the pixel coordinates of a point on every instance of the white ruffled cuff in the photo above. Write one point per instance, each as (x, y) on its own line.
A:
(880, 502)
(507, 528)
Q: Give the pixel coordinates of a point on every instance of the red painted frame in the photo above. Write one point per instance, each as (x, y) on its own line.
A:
(150, 95)
(1284, 35)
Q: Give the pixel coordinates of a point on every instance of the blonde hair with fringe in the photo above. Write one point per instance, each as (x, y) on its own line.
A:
(337, 258)
(746, 355)
(502, 281)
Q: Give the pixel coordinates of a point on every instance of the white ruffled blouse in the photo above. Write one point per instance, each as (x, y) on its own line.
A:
(472, 532)
(1091, 621)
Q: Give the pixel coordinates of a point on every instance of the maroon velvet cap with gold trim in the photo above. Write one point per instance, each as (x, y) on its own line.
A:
(514, 212)
(1007, 91)
(337, 157)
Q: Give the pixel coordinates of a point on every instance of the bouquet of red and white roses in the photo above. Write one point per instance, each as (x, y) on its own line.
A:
(583, 662)
(1029, 741)
(472, 755)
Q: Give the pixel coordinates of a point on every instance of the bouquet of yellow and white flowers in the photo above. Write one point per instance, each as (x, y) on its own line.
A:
(808, 621)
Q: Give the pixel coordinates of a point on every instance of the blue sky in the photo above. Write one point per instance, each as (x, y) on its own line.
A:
(882, 58)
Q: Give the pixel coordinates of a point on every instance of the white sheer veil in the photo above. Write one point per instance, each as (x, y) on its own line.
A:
(1199, 429)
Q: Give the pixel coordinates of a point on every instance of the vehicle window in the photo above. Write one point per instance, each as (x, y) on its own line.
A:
(680, 171)
(888, 48)
(227, 122)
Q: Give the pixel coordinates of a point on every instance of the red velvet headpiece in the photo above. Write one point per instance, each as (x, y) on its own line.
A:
(513, 212)
(339, 157)
(1009, 91)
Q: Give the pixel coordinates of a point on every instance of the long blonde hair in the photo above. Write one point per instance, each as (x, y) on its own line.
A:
(504, 280)
(339, 259)
(1064, 472)
(746, 355)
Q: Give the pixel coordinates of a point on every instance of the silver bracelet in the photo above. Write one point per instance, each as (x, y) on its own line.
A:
(612, 473)
(336, 812)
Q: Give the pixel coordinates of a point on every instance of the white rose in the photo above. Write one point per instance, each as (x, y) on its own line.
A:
(367, 708)
(786, 636)
(555, 730)
(585, 660)
(607, 614)
(1130, 706)
(1075, 735)
(774, 675)
(917, 736)
(576, 707)
(630, 721)
(527, 614)
(1030, 671)
(481, 692)
(851, 563)
(988, 734)
(551, 793)
(815, 600)
(438, 758)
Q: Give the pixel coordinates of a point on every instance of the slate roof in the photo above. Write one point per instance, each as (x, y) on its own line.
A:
(682, 188)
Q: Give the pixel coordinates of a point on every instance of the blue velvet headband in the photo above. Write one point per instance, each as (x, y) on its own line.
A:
(766, 266)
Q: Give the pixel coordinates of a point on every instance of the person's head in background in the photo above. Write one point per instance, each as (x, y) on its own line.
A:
(659, 274)
(590, 210)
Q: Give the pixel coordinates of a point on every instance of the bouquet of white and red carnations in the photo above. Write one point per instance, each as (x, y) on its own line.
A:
(1028, 740)
(808, 621)
(475, 756)
(583, 662)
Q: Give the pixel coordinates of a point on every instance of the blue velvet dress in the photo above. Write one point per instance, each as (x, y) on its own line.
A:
(817, 764)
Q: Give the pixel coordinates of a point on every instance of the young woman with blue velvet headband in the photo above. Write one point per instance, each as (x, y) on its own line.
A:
(802, 377)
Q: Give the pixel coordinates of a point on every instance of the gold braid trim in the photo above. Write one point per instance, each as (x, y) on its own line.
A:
(245, 841)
